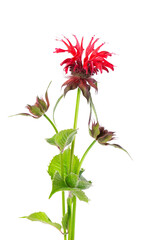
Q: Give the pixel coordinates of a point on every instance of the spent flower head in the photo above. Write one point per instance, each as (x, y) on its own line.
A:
(39, 108)
(82, 69)
(102, 135)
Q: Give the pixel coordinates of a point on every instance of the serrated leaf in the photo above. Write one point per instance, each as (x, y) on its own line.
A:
(74, 181)
(58, 184)
(83, 183)
(81, 195)
(65, 221)
(63, 138)
(55, 164)
(42, 217)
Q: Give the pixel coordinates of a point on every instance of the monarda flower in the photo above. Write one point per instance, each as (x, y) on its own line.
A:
(39, 108)
(82, 69)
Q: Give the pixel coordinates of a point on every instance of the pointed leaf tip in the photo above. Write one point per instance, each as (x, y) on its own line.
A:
(42, 217)
(119, 147)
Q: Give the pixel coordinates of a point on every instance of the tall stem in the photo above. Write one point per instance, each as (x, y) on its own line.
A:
(50, 121)
(63, 193)
(72, 217)
(74, 127)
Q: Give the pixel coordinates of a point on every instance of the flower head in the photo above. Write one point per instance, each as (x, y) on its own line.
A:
(39, 108)
(82, 69)
(102, 135)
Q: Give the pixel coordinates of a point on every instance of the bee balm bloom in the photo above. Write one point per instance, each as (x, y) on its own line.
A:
(82, 69)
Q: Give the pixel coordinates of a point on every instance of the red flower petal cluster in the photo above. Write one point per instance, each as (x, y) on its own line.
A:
(81, 68)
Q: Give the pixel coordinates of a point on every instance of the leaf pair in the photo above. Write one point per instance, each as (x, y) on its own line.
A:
(71, 182)
(58, 184)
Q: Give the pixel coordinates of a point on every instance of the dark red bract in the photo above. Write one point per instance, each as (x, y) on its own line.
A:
(82, 69)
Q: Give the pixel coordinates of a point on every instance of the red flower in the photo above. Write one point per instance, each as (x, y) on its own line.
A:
(82, 69)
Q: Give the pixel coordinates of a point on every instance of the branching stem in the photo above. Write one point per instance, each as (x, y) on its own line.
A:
(84, 155)
(50, 121)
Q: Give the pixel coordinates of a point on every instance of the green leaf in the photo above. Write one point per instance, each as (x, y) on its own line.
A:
(81, 195)
(65, 221)
(63, 138)
(55, 164)
(42, 217)
(59, 99)
(72, 180)
(83, 183)
(58, 184)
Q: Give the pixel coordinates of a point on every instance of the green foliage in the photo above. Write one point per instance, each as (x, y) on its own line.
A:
(55, 164)
(58, 184)
(65, 221)
(72, 180)
(62, 139)
(83, 183)
(42, 217)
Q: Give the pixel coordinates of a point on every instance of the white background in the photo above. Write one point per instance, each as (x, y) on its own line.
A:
(27, 64)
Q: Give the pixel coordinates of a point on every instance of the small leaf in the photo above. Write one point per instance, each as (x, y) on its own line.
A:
(83, 183)
(59, 99)
(81, 195)
(51, 140)
(58, 184)
(65, 221)
(55, 164)
(63, 138)
(72, 180)
(42, 217)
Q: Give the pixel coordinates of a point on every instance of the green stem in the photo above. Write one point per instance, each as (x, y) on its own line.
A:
(69, 203)
(84, 155)
(63, 193)
(93, 107)
(72, 217)
(74, 127)
(53, 125)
